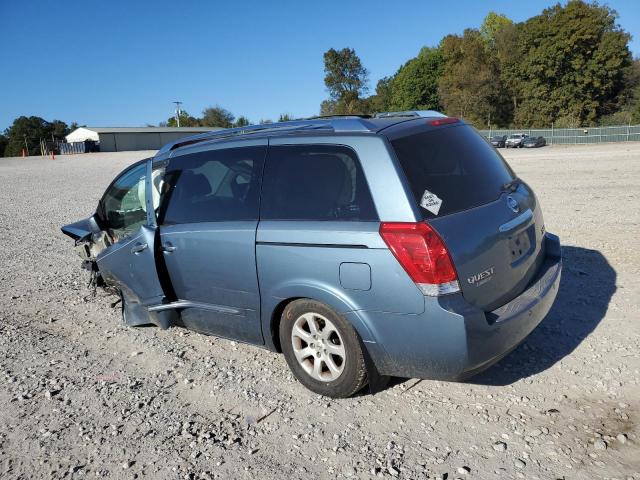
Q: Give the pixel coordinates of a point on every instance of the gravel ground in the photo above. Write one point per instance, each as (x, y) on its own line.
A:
(82, 396)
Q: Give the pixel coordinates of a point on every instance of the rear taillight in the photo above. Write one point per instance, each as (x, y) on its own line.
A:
(423, 255)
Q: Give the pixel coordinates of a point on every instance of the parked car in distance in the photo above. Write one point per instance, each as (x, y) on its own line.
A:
(498, 141)
(515, 140)
(360, 248)
(534, 142)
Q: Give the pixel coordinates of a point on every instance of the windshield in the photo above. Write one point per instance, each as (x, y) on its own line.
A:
(451, 169)
(516, 135)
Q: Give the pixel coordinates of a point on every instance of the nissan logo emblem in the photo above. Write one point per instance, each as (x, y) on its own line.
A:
(513, 205)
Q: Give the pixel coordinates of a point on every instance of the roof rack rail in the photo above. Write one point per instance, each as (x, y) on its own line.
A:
(239, 131)
(349, 123)
(340, 115)
(410, 113)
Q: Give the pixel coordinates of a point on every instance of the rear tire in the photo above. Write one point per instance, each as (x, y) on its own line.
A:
(322, 349)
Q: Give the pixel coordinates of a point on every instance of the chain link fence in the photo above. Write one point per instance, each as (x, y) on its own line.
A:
(575, 136)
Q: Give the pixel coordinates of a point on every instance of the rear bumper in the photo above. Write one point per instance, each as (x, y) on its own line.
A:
(451, 339)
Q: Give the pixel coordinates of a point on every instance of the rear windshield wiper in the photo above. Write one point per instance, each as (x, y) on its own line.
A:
(511, 186)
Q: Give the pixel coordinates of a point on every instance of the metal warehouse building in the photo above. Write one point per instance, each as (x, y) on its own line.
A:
(117, 139)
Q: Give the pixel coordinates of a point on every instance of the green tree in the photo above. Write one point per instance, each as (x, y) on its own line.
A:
(381, 100)
(506, 56)
(622, 117)
(631, 90)
(491, 26)
(469, 82)
(635, 110)
(499, 36)
(217, 117)
(59, 129)
(346, 81)
(328, 108)
(344, 74)
(285, 117)
(345, 106)
(633, 98)
(186, 120)
(572, 62)
(3, 144)
(31, 130)
(628, 103)
(415, 85)
(241, 121)
(630, 96)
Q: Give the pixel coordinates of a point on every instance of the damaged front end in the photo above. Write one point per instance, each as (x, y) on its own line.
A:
(112, 272)
(89, 242)
(90, 246)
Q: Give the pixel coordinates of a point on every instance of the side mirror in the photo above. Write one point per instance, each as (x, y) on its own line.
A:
(82, 228)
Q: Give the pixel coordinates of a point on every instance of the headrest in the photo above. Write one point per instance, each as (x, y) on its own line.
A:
(196, 183)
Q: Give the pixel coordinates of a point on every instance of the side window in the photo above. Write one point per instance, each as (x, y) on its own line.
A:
(212, 186)
(123, 204)
(315, 182)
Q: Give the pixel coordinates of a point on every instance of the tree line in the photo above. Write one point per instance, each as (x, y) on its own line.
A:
(26, 133)
(216, 117)
(569, 66)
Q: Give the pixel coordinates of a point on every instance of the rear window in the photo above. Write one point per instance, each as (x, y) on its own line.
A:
(451, 169)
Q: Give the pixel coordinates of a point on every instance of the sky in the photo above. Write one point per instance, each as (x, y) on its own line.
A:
(123, 63)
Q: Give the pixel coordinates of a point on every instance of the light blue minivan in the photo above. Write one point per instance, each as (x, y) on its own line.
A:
(359, 247)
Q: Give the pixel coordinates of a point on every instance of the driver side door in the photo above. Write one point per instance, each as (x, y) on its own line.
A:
(127, 216)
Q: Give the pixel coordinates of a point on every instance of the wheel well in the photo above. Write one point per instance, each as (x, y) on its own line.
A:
(276, 317)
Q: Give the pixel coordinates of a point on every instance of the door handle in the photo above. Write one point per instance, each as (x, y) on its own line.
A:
(168, 248)
(139, 247)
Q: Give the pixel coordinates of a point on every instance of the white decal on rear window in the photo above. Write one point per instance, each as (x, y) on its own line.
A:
(430, 201)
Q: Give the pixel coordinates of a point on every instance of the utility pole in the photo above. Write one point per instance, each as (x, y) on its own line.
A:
(25, 143)
(178, 111)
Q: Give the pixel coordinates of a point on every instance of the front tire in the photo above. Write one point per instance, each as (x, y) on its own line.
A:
(322, 349)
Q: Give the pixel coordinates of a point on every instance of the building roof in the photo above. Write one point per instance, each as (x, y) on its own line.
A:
(150, 129)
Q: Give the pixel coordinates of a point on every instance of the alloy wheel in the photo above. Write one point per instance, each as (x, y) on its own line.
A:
(318, 347)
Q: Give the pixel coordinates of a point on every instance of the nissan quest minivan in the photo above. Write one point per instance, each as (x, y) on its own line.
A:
(359, 247)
